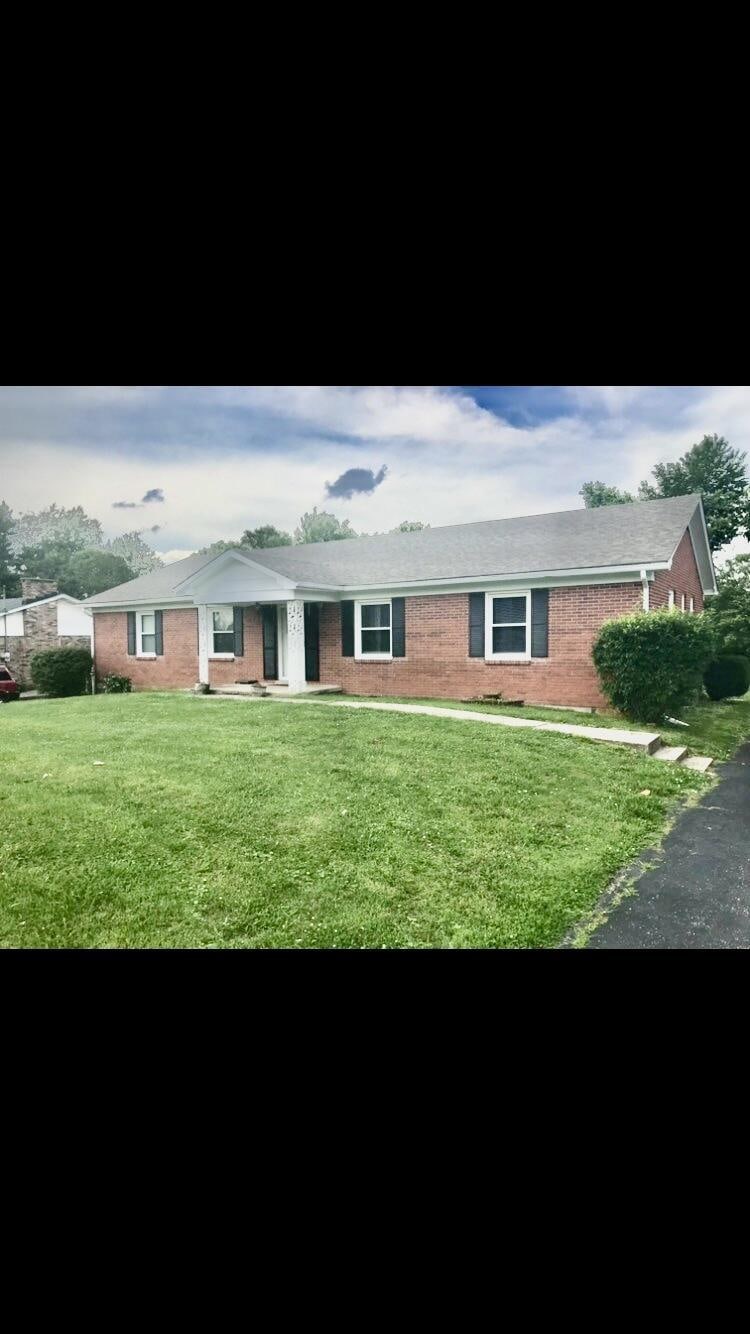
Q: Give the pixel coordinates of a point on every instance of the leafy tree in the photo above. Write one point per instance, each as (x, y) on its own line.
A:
(93, 571)
(322, 527)
(49, 559)
(216, 548)
(716, 470)
(266, 536)
(410, 526)
(598, 493)
(8, 577)
(138, 555)
(729, 610)
(56, 524)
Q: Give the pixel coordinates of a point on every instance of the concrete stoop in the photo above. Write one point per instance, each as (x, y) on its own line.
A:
(648, 743)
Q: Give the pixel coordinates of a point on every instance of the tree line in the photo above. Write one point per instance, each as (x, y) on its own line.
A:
(68, 546)
(711, 467)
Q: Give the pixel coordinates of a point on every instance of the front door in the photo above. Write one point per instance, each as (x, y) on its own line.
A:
(312, 641)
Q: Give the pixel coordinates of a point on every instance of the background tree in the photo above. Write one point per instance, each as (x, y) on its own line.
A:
(598, 493)
(92, 571)
(56, 524)
(719, 473)
(216, 548)
(8, 577)
(410, 526)
(322, 527)
(47, 560)
(140, 557)
(266, 536)
(729, 610)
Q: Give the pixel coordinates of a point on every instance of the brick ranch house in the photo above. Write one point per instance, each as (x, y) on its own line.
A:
(40, 619)
(509, 605)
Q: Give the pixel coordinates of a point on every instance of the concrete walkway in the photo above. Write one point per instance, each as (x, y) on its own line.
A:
(698, 895)
(646, 742)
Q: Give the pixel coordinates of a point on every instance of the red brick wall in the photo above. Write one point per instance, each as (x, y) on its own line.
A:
(247, 668)
(178, 665)
(437, 662)
(683, 578)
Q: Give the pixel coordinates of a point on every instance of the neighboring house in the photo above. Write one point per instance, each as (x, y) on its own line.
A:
(41, 618)
(510, 605)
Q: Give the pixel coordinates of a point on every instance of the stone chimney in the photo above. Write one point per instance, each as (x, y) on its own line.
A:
(31, 589)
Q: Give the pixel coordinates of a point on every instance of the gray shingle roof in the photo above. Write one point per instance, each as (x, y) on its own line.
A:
(639, 534)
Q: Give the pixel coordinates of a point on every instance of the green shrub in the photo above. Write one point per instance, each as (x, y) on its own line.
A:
(651, 663)
(62, 671)
(116, 685)
(727, 676)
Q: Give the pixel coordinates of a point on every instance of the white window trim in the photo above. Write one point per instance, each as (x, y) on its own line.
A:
(682, 601)
(139, 615)
(692, 606)
(359, 656)
(489, 656)
(218, 657)
(670, 601)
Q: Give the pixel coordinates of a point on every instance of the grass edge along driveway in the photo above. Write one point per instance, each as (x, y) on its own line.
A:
(219, 823)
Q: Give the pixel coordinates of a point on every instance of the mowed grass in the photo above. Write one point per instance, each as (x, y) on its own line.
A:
(714, 728)
(218, 822)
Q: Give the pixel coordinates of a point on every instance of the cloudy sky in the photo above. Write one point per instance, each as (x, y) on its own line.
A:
(191, 465)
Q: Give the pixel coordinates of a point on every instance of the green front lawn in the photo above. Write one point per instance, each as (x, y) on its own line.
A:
(220, 822)
(714, 729)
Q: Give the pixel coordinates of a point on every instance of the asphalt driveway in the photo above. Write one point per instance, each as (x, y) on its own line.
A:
(698, 895)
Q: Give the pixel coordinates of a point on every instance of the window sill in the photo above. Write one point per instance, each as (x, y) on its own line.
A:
(146, 657)
(221, 657)
(373, 657)
(509, 657)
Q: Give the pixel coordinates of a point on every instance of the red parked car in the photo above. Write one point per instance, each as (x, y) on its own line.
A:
(9, 688)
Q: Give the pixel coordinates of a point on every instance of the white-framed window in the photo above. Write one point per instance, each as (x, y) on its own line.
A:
(670, 601)
(692, 605)
(507, 625)
(145, 625)
(682, 602)
(222, 632)
(372, 627)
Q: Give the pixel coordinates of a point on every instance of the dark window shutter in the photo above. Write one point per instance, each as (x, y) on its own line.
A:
(539, 622)
(270, 663)
(347, 629)
(159, 628)
(131, 633)
(239, 641)
(476, 625)
(312, 641)
(398, 628)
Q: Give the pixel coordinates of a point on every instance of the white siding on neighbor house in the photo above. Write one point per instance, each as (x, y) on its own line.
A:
(72, 619)
(11, 624)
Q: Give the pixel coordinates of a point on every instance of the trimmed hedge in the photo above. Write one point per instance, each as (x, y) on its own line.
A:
(727, 676)
(651, 663)
(61, 671)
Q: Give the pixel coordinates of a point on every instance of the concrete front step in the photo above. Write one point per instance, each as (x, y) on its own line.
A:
(673, 754)
(699, 762)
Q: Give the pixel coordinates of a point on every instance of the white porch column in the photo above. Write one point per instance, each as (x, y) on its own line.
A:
(295, 644)
(203, 643)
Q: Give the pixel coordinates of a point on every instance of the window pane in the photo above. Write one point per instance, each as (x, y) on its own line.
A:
(223, 643)
(508, 609)
(148, 623)
(224, 618)
(148, 643)
(509, 639)
(376, 613)
(376, 641)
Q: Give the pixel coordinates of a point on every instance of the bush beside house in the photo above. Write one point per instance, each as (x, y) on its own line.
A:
(61, 671)
(651, 663)
(727, 676)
